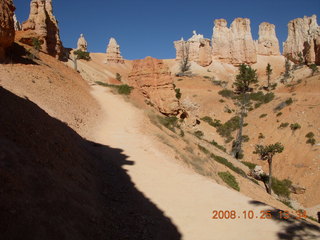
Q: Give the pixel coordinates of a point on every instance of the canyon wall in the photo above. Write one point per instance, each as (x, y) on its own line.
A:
(7, 32)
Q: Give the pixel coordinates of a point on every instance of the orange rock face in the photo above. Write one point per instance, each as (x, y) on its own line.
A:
(303, 38)
(6, 26)
(43, 25)
(152, 78)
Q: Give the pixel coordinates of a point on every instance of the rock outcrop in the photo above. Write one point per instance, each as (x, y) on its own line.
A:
(113, 52)
(43, 25)
(17, 24)
(197, 49)
(82, 44)
(303, 38)
(235, 44)
(153, 79)
(267, 43)
(6, 26)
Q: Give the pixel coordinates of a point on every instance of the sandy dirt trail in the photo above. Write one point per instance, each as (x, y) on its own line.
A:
(187, 198)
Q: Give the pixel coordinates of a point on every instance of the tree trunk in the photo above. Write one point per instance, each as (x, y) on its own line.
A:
(270, 176)
(236, 150)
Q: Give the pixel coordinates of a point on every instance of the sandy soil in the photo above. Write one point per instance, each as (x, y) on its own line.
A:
(185, 197)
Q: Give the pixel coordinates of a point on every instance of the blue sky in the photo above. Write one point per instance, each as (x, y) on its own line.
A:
(149, 27)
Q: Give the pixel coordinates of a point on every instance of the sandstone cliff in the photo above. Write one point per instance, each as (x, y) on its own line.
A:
(42, 24)
(17, 24)
(268, 43)
(304, 38)
(153, 79)
(197, 49)
(82, 44)
(235, 44)
(113, 52)
(6, 26)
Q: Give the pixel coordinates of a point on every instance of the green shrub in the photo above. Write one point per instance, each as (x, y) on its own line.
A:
(221, 100)
(226, 93)
(229, 179)
(279, 114)
(118, 77)
(36, 43)
(281, 187)
(228, 127)
(310, 135)
(284, 125)
(169, 122)
(261, 136)
(207, 77)
(203, 149)
(198, 134)
(249, 164)
(124, 89)
(213, 123)
(228, 164)
(283, 104)
(121, 89)
(178, 93)
(263, 115)
(295, 126)
(311, 141)
(261, 98)
(214, 143)
(245, 138)
(82, 55)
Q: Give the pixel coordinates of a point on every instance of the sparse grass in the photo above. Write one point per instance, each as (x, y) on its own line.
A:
(287, 202)
(168, 122)
(229, 179)
(261, 98)
(121, 89)
(203, 149)
(214, 123)
(249, 164)
(281, 187)
(284, 125)
(228, 164)
(214, 143)
(295, 126)
(263, 115)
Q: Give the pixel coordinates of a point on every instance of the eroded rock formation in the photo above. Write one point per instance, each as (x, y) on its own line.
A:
(6, 26)
(303, 38)
(17, 24)
(235, 44)
(197, 49)
(82, 44)
(43, 25)
(113, 52)
(153, 79)
(268, 43)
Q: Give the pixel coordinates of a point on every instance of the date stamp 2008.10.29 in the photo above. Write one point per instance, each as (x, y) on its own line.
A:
(263, 214)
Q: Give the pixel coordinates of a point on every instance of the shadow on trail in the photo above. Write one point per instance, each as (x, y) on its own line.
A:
(292, 228)
(56, 185)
